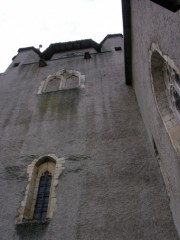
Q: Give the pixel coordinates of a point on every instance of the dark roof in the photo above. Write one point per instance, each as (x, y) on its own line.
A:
(111, 35)
(30, 48)
(173, 5)
(69, 46)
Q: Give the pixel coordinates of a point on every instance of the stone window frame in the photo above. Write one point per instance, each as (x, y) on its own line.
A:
(35, 170)
(164, 98)
(62, 75)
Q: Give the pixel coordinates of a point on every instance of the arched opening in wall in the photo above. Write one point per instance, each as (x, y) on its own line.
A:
(159, 83)
(40, 197)
(166, 88)
(166, 83)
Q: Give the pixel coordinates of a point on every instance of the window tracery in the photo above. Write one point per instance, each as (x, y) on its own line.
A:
(62, 80)
(166, 90)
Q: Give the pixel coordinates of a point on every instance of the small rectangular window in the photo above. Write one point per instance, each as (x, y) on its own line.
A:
(118, 48)
(16, 64)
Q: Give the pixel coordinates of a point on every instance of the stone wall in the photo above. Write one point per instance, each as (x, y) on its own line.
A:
(111, 187)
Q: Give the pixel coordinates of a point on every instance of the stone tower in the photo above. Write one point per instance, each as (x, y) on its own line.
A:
(76, 161)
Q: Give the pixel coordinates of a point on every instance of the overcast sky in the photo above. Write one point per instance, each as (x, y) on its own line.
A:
(31, 23)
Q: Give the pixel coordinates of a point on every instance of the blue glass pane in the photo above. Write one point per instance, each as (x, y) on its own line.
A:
(41, 206)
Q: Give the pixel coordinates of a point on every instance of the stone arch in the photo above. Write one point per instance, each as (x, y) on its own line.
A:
(159, 83)
(164, 86)
(48, 163)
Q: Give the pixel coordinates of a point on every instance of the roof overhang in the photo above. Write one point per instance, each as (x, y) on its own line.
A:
(111, 36)
(70, 46)
(27, 49)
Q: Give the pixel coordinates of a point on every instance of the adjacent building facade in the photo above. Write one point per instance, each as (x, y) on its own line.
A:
(152, 36)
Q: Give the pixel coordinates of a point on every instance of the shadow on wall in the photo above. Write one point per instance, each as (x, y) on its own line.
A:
(28, 231)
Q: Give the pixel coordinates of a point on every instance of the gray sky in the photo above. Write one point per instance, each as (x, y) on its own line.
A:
(30, 23)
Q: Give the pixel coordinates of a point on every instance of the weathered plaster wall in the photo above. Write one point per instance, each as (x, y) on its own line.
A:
(159, 26)
(24, 57)
(111, 187)
(110, 43)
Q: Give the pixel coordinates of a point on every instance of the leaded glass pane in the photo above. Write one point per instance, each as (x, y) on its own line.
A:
(41, 206)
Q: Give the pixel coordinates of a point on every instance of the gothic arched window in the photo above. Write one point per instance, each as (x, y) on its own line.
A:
(62, 80)
(40, 197)
(166, 90)
(166, 83)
